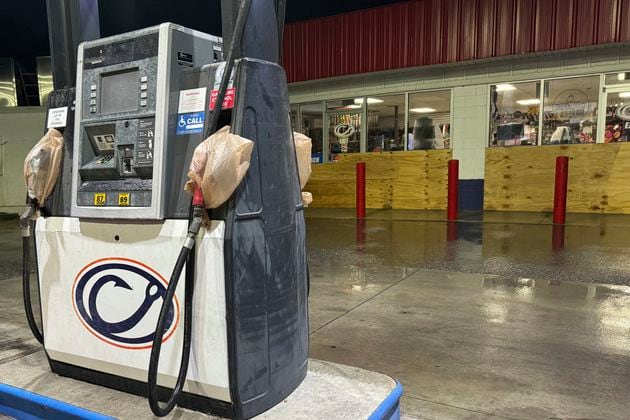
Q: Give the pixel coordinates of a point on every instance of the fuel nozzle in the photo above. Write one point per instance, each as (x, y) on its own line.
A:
(197, 217)
(26, 216)
(197, 200)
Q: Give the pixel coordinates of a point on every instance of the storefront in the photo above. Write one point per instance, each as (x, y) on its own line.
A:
(563, 110)
(538, 100)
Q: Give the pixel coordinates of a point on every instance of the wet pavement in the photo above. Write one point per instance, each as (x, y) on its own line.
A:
(587, 253)
(475, 346)
(477, 320)
(536, 339)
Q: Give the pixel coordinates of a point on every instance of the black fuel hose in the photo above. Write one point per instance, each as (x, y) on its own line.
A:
(26, 289)
(186, 255)
(25, 225)
(239, 27)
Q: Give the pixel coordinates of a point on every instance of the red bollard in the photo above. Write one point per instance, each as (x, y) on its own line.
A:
(453, 189)
(361, 190)
(560, 193)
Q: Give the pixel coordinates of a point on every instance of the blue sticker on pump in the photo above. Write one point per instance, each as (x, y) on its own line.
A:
(190, 123)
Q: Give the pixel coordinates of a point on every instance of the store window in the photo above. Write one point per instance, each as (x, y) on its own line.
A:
(429, 120)
(617, 128)
(386, 123)
(514, 114)
(344, 122)
(313, 126)
(570, 110)
(617, 99)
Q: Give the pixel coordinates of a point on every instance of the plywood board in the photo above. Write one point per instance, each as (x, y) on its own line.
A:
(399, 180)
(522, 178)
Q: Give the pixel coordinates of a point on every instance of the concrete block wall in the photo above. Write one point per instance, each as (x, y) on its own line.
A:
(20, 128)
(470, 129)
(470, 139)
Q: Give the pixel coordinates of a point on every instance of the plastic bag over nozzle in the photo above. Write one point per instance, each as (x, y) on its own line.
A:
(303, 146)
(41, 170)
(218, 165)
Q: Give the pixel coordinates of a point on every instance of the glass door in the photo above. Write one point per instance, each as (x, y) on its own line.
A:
(616, 125)
(344, 133)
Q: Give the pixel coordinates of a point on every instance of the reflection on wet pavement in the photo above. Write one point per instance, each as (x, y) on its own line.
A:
(598, 254)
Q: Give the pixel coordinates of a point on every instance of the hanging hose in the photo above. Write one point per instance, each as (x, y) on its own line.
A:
(186, 255)
(25, 226)
(239, 26)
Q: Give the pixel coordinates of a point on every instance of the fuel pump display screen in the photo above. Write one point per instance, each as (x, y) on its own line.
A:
(119, 91)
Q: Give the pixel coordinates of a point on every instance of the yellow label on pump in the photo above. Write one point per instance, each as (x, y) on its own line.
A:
(123, 199)
(100, 199)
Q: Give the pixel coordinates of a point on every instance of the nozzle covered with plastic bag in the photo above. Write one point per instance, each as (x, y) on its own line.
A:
(221, 161)
(303, 146)
(41, 166)
(218, 165)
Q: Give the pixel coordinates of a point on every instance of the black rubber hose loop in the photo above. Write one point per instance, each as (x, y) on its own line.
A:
(26, 288)
(187, 257)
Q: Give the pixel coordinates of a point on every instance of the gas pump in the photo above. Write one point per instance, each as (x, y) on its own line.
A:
(232, 337)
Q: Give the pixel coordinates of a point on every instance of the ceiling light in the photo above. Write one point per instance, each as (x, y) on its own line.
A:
(352, 106)
(370, 101)
(621, 76)
(624, 95)
(533, 101)
(422, 110)
(504, 87)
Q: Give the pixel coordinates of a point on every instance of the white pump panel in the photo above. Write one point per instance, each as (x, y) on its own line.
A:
(101, 293)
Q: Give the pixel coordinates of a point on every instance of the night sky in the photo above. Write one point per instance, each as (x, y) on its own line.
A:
(24, 29)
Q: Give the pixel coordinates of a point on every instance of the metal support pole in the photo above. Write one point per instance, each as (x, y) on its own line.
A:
(70, 22)
(560, 193)
(453, 190)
